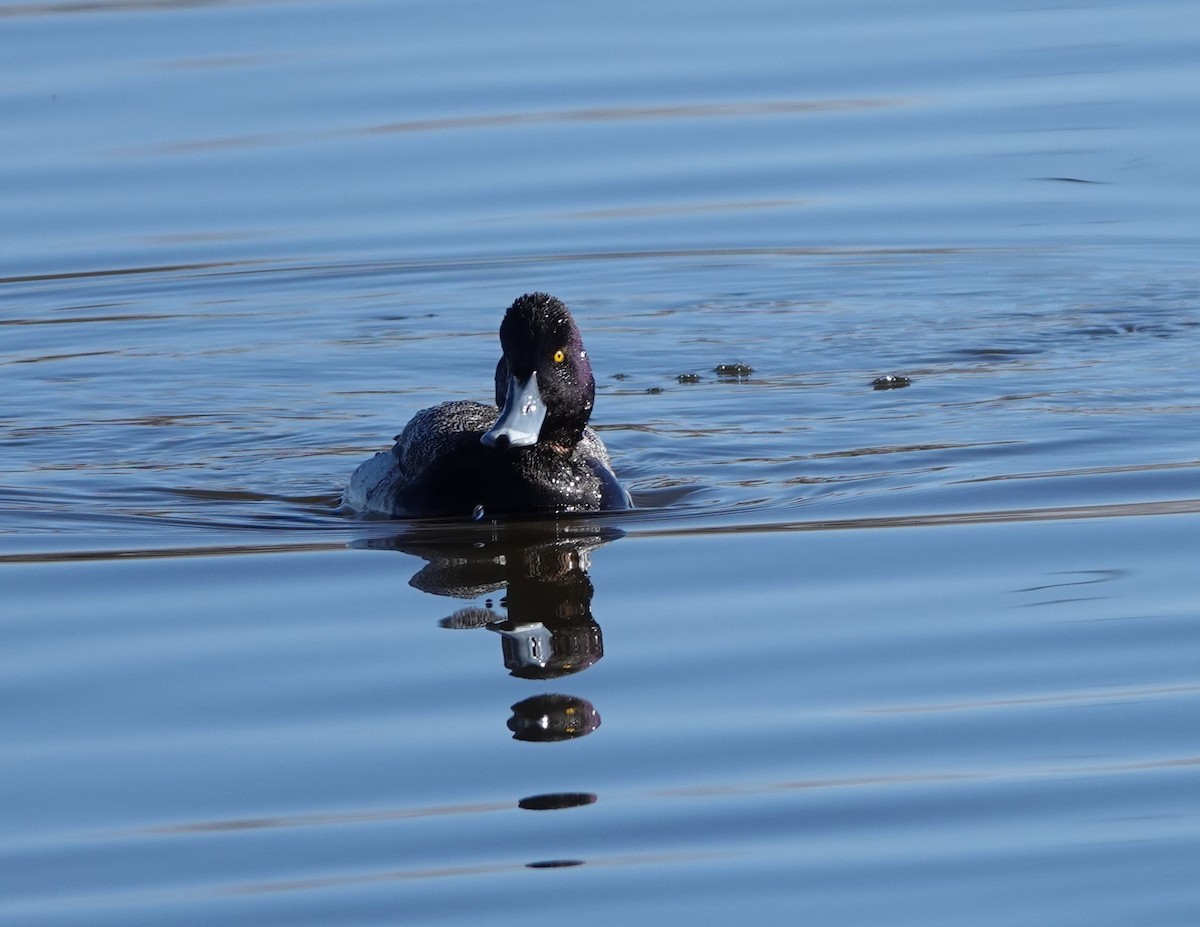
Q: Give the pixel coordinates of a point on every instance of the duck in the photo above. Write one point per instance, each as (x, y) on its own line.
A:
(532, 453)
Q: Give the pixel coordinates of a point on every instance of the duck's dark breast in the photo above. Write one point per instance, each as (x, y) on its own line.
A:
(481, 481)
(440, 467)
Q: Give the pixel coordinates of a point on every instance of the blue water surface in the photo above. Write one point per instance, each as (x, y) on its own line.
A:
(918, 655)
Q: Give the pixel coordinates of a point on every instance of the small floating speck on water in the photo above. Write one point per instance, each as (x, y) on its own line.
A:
(891, 381)
(734, 370)
(689, 378)
(654, 390)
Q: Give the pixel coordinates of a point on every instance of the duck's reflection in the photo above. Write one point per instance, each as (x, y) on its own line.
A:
(545, 619)
(549, 631)
(547, 718)
(557, 801)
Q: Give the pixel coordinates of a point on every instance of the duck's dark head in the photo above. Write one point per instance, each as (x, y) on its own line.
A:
(544, 383)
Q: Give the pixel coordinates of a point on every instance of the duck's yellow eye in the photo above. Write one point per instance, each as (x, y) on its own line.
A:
(559, 357)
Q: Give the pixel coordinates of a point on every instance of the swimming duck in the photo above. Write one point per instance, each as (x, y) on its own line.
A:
(531, 453)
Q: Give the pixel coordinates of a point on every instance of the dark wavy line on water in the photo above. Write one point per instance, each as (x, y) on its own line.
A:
(124, 271)
(483, 261)
(324, 819)
(1049, 771)
(635, 524)
(154, 553)
(1081, 471)
(596, 114)
(312, 883)
(389, 815)
(117, 6)
(940, 519)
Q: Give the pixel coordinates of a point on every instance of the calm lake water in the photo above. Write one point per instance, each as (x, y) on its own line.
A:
(921, 655)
